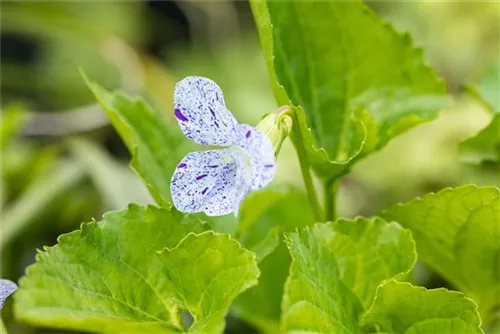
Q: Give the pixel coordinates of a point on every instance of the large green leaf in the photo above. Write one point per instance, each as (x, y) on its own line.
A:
(355, 81)
(457, 232)
(156, 144)
(403, 308)
(264, 215)
(109, 276)
(336, 268)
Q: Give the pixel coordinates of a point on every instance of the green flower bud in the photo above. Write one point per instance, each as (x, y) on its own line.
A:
(277, 125)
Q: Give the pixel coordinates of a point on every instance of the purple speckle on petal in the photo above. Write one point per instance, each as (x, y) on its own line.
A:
(204, 191)
(199, 177)
(268, 166)
(213, 166)
(182, 165)
(249, 133)
(212, 112)
(179, 115)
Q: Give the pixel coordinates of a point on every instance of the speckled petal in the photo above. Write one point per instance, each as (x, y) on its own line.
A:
(260, 150)
(210, 182)
(6, 289)
(201, 112)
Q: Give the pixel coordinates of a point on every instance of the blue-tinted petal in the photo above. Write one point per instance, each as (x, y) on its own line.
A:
(260, 150)
(201, 112)
(210, 182)
(6, 289)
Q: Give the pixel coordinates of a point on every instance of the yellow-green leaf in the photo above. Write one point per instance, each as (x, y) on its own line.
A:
(355, 82)
(109, 277)
(336, 268)
(457, 232)
(404, 308)
(156, 144)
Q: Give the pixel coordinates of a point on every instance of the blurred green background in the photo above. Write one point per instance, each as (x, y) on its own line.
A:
(62, 163)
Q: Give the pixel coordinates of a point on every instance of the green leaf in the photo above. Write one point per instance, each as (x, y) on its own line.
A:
(116, 183)
(356, 82)
(457, 232)
(156, 144)
(109, 276)
(207, 272)
(484, 147)
(35, 199)
(264, 215)
(404, 308)
(12, 120)
(487, 88)
(261, 305)
(336, 268)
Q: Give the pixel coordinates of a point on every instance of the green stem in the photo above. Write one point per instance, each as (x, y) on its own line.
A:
(330, 188)
(305, 168)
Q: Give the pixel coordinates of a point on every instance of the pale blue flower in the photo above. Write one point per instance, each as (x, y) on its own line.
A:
(216, 181)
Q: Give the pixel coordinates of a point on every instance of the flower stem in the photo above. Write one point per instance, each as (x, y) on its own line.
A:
(305, 168)
(330, 191)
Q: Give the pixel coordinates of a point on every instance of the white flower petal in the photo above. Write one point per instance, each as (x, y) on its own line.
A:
(210, 182)
(6, 289)
(201, 112)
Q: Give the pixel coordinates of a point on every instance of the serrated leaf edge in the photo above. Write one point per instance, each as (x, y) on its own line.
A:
(287, 241)
(425, 197)
(421, 288)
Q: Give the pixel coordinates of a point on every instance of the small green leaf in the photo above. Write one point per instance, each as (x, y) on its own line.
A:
(207, 272)
(336, 268)
(355, 81)
(484, 147)
(404, 308)
(264, 215)
(261, 305)
(109, 277)
(12, 119)
(457, 232)
(154, 142)
(116, 183)
(46, 188)
(487, 88)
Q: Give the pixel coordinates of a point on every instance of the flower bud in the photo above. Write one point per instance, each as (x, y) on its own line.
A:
(277, 126)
